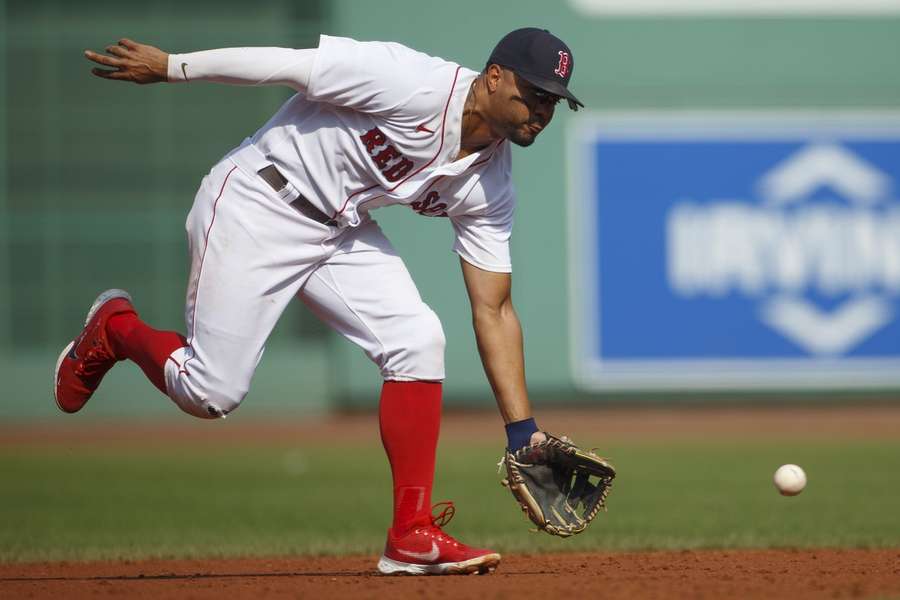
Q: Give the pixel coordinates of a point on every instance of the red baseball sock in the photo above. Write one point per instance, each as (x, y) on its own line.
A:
(410, 420)
(150, 348)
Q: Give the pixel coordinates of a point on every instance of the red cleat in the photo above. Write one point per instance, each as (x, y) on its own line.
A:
(427, 550)
(83, 363)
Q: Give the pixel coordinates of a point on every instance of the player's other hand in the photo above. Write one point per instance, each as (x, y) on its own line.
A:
(130, 61)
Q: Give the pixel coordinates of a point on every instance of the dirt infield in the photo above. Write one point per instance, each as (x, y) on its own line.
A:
(669, 575)
(600, 425)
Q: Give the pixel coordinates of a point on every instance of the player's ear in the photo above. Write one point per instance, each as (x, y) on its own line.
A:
(493, 77)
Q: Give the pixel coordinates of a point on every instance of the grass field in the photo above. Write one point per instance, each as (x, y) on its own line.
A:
(271, 496)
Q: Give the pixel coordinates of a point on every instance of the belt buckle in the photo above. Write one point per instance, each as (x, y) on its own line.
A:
(273, 177)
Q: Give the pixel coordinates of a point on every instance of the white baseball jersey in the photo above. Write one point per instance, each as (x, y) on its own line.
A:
(375, 124)
(372, 124)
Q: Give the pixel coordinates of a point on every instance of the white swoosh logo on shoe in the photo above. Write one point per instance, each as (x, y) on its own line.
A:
(426, 556)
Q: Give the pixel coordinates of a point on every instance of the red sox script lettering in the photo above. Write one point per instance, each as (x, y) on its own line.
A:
(430, 207)
(563, 67)
(392, 164)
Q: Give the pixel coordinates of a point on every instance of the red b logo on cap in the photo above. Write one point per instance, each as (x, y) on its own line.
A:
(563, 69)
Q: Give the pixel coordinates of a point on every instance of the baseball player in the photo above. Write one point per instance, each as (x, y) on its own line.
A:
(287, 214)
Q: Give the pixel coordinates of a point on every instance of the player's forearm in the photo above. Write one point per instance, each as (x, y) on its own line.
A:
(245, 66)
(499, 337)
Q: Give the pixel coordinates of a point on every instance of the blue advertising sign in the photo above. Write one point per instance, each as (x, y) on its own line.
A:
(741, 250)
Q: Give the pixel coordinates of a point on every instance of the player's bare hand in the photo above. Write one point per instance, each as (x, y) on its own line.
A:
(131, 61)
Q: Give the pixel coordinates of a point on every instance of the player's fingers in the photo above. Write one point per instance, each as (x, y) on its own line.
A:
(103, 59)
(117, 51)
(130, 44)
(107, 74)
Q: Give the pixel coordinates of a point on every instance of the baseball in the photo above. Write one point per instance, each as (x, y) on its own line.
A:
(790, 480)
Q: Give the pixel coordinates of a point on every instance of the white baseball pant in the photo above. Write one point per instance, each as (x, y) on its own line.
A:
(251, 253)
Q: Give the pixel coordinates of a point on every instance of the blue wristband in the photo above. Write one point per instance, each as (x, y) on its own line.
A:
(518, 433)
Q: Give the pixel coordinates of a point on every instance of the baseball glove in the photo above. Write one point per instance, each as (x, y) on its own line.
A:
(551, 481)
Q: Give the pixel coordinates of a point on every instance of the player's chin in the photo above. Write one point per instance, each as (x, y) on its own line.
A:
(523, 137)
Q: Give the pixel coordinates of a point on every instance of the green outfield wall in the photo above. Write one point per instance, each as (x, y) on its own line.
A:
(97, 177)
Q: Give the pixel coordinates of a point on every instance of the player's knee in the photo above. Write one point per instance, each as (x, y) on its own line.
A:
(202, 391)
(421, 354)
(426, 348)
(210, 401)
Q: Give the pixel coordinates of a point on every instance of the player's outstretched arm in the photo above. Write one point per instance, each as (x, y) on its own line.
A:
(131, 61)
(140, 63)
(550, 477)
(499, 337)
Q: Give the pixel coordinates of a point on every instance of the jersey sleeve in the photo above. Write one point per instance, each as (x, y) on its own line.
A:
(244, 66)
(483, 239)
(376, 77)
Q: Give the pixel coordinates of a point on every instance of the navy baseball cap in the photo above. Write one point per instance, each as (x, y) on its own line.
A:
(540, 58)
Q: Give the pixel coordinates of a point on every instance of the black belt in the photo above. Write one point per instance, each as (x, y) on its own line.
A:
(277, 181)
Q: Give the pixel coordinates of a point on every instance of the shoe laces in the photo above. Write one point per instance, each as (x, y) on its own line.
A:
(94, 360)
(443, 517)
(438, 521)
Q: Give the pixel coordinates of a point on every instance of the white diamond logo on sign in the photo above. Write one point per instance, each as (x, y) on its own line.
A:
(825, 224)
(831, 333)
(764, 250)
(820, 165)
(837, 331)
